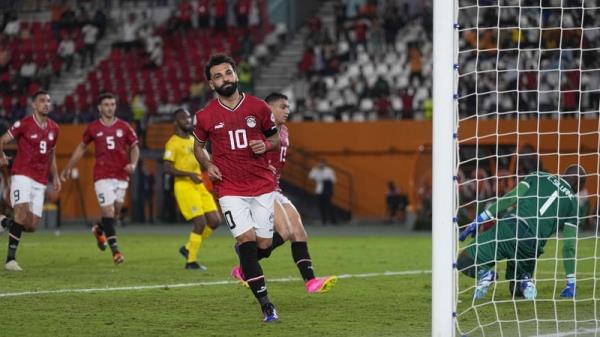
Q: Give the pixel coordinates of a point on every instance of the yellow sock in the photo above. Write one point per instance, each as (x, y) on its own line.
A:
(207, 232)
(194, 243)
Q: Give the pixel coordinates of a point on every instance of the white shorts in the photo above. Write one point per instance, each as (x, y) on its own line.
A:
(26, 190)
(110, 190)
(245, 213)
(282, 199)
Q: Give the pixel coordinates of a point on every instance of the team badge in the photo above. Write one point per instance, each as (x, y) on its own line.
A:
(17, 124)
(51, 136)
(251, 121)
(119, 133)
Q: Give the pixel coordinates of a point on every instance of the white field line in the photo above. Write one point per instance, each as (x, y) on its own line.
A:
(198, 284)
(580, 332)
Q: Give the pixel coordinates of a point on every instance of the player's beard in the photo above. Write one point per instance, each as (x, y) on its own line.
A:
(227, 91)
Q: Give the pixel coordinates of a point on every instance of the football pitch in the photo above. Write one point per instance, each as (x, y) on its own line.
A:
(70, 288)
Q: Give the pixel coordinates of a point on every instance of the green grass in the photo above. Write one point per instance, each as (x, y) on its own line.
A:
(378, 305)
(373, 306)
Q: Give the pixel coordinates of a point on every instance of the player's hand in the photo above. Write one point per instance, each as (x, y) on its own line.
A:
(196, 178)
(56, 183)
(130, 168)
(214, 173)
(258, 146)
(569, 291)
(471, 228)
(273, 169)
(65, 174)
(4, 159)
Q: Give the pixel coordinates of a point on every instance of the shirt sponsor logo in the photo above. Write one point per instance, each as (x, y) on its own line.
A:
(251, 121)
(99, 134)
(220, 125)
(119, 133)
(34, 136)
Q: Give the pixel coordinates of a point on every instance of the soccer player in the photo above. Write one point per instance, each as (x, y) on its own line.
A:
(287, 222)
(117, 154)
(36, 137)
(543, 204)
(195, 202)
(240, 129)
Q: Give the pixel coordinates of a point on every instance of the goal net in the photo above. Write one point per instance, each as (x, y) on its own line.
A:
(527, 90)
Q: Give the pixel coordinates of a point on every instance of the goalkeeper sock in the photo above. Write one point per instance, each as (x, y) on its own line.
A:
(193, 245)
(108, 225)
(252, 269)
(302, 260)
(14, 237)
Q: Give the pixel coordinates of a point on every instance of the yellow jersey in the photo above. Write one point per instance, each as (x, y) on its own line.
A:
(180, 151)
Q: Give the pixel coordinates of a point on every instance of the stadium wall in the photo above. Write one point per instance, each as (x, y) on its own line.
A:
(374, 153)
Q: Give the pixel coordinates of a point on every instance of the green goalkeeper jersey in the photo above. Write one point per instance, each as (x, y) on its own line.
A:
(545, 203)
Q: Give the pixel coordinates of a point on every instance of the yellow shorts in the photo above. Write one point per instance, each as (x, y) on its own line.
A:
(194, 200)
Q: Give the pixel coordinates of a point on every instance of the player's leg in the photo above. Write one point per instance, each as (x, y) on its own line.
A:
(211, 212)
(301, 255)
(477, 261)
(242, 216)
(107, 192)
(27, 198)
(190, 205)
(524, 267)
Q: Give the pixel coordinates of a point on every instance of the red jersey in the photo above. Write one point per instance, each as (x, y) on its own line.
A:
(277, 158)
(111, 143)
(34, 145)
(229, 132)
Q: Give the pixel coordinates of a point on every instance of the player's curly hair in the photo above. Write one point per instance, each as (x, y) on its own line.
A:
(217, 59)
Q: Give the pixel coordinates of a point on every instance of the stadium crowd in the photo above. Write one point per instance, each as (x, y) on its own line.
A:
(528, 59)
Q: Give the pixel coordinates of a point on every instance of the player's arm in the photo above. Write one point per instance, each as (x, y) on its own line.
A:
(54, 171)
(134, 156)
(260, 146)
(5, 139)
(77, 154)
(503, 203)
(170, 169)
(203, 158)
(568, 254)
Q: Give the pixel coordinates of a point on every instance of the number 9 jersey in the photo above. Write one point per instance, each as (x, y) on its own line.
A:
(111, 144)
(35, 143)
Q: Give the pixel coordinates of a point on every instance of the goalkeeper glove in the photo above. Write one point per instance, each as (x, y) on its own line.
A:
(569, 291)
(472, 227)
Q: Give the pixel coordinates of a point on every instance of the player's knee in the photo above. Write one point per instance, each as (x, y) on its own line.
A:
(213, 220)
(466, 264)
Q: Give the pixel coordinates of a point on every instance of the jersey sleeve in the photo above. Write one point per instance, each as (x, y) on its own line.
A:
(170, 151)
(87, 135)
(201, 129)
(131, 136)
(17, 129)
(267, 122)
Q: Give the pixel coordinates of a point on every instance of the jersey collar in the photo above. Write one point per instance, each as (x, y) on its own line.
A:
(236, 106)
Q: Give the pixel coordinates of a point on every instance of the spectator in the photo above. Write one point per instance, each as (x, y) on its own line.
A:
(100, 20)
(242, 10)
(26, 74)
(245, 76)
(203, 12)
(300, 91)
(129, 33)
(396, 201)
(184, 15)
(140, 116)
(220, 10)
(13, 26)
(44, 75)
(324, 178)
(381, 87)
(90, 38)
(66, 51)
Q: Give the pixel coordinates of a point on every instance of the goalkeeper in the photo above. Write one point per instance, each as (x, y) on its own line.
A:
(542, 203)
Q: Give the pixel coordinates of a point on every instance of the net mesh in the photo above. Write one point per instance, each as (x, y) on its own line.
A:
(528, 91)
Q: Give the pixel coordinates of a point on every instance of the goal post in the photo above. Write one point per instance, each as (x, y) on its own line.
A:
(443, 184)
(516, 90)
